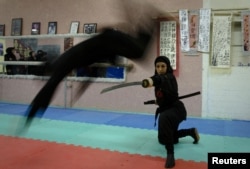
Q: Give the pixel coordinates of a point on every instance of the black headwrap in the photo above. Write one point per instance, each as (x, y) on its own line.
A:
(165, 60)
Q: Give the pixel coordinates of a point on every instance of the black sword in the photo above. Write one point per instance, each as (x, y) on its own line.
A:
(180, 97)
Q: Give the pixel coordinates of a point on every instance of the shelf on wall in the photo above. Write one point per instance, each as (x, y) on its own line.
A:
(114, 72)
(39, 63)
(48, 36)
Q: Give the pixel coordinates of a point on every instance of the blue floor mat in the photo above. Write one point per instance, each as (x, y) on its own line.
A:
(235, 128)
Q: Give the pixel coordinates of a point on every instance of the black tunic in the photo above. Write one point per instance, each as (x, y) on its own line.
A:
(172, 111)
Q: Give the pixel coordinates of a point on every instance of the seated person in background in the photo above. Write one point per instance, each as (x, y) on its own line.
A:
(21, 69)
(10, 56)
(32, 56)
(41, 56)
(31, 68)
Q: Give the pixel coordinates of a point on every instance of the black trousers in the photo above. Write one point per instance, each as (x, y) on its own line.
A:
(168, 126)
(105, 46)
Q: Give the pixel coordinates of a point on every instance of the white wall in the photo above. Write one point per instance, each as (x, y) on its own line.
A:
(226, 91)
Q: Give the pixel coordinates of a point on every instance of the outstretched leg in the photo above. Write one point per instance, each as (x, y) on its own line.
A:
(193, 132)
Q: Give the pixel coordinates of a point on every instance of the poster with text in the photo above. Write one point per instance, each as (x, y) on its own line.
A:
(168, 41)
(184, 32)
(221, 41)
(193, 32)
(204, 30)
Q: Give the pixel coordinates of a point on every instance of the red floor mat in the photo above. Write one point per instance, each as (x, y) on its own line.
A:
(17, 153)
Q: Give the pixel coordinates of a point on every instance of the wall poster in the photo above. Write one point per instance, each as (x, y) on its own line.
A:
(24, 46)
(193, 22)
(168, 41)
(184, 32)
(221, 41)
(204, 30)
(16, 26)
(245, 31)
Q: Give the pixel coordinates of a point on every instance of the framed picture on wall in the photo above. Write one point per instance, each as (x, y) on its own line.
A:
(52, 28)
(90, 28)
(35, 28)
(74, 27)
(16, 26)
(2, 30)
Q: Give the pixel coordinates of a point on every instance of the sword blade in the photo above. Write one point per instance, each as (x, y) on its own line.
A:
(121, 86)
(139, 83)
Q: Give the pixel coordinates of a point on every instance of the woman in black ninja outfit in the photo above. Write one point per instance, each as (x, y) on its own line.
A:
(171, 110)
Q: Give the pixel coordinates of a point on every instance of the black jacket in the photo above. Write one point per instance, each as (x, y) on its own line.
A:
(166, 93)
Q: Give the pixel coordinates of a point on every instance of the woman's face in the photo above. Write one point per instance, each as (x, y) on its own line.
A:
(161, 68)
